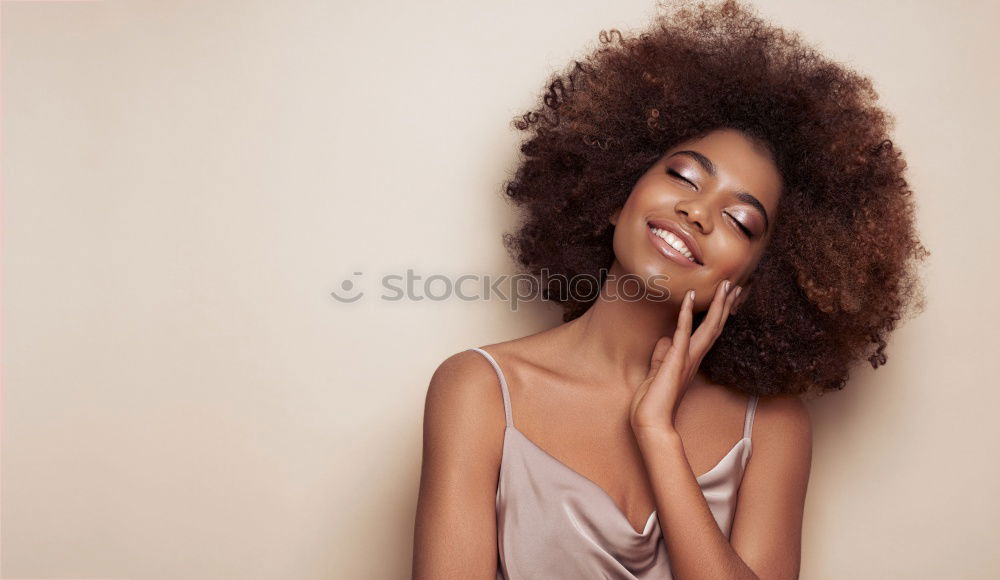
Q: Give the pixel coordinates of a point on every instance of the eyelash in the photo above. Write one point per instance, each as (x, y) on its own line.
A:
(743, 228)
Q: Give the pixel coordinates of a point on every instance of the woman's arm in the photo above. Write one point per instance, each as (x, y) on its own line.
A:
(455, 529)
(766, 536)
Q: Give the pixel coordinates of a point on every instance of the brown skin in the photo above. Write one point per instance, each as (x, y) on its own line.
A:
(572, 387)
(839, 273)
(823, 289)
(678, 188)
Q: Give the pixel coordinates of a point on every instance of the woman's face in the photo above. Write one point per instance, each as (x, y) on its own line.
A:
(718, 195)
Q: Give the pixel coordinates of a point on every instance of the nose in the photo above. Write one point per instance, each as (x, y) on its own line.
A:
(696, 214)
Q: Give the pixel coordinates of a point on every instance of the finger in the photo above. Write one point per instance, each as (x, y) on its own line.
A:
(731, 302)
(675, 361)
(711, 326)
(659, 353)
(678, 354)
(727, 308)
(682, 334)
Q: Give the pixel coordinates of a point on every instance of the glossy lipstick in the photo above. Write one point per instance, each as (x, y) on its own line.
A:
(669, 251)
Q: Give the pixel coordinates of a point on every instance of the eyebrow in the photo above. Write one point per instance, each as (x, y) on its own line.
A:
(743, 196)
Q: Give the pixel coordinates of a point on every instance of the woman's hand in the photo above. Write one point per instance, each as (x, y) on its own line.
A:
(675, 362)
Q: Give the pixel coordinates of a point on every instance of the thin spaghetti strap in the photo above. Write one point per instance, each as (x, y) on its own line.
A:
(503, 385)
(748, 421)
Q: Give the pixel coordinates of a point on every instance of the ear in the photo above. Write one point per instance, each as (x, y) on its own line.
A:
(614, 216)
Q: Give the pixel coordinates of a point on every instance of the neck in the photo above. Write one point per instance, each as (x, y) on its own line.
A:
(619, 330)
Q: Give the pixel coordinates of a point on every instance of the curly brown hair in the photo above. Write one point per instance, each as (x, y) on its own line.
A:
(840, 271)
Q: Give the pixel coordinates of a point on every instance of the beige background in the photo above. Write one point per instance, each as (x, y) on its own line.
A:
(186, 181)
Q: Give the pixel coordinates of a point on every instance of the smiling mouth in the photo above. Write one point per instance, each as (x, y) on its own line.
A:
(673, 247)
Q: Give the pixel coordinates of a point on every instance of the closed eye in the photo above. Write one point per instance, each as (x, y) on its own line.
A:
(740, 225)
(679, 176)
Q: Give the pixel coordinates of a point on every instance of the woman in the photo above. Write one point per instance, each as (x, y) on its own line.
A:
(748, 189)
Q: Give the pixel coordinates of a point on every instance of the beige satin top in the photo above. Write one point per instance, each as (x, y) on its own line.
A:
(553, 523)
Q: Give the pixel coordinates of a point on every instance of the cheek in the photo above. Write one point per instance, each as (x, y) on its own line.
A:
(736, 268)
(623, 238)
(643, 193)
(631, 216)
(633, 250)
(732, 259)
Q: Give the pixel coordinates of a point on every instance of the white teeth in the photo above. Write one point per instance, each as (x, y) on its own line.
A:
(674, 242)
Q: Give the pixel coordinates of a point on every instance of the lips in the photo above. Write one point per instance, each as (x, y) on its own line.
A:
(674, 228)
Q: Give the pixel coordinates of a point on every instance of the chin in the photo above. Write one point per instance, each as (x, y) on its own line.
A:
(656, 277)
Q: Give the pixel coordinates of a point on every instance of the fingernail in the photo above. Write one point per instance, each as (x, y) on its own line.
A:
(738, 290)
(690, 295)
(726, 285)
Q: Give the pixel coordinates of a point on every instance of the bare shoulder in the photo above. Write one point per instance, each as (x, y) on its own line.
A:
(783, 417)
(464, 393)
(540, 354)
(466, 383)
(782, 438)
